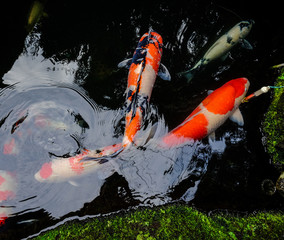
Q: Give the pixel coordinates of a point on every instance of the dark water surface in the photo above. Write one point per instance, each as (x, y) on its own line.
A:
(64, 92)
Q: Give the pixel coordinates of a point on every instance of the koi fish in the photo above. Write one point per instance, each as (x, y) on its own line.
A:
(222, 46)
(144, 66)
(143, 69)
(211, 113)
(66, 169)
(8, 188)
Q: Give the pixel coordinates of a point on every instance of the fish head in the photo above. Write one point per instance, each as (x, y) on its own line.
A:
(150, 37)
(245, 27)
(241, 86)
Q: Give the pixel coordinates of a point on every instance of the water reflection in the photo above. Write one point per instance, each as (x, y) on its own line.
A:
(46, 116)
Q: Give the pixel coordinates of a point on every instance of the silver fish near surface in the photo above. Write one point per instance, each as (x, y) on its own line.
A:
(221, 48)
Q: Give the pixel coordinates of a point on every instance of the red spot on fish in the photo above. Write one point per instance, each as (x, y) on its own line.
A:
(46, 170)
(2, 180)
(194, 129)
(221, 101)
(239, 85)
(75, 163)
(4, 195)
(3, 218)
(9, 148)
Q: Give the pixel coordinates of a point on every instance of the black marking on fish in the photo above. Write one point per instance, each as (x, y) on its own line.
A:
(230, 40)
(101, 161)
(143, 103)
(244, 25)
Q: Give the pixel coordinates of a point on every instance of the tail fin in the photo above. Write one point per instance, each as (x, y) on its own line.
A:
(188, 75)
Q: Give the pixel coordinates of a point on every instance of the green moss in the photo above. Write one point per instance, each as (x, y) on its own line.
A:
(172, 222)
(274, 124)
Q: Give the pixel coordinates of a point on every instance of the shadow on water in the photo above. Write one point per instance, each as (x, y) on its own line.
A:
(65, 93)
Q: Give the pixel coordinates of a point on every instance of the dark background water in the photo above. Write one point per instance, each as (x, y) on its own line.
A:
(107, 33)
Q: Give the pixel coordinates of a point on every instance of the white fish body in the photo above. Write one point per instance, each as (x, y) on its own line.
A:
(223, 45)
(67, 169)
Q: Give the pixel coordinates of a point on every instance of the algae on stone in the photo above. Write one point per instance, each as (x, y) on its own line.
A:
(172, 222)
(274, 124)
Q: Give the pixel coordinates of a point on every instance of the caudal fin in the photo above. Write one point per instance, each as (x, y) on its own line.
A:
(188, 75)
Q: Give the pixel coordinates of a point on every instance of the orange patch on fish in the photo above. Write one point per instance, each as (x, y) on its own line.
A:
(133, 126)
(75, 163)
(221, 101)
(132, 75)
(194, 129)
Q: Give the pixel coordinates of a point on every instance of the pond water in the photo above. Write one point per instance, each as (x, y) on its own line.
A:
(65, 93)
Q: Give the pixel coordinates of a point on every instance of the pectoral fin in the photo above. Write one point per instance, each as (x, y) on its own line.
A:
(164, 73)
(212, 136)
(245, 44)
(74, 183)
(225, 56)
(125, 63)
(237, 117)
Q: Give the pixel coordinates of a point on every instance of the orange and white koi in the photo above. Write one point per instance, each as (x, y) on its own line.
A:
(211, 113)
(8, 188)
(143, 69)
(66, 169)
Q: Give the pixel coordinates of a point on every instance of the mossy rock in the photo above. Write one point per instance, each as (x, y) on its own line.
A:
(274, 124)
(172, 222)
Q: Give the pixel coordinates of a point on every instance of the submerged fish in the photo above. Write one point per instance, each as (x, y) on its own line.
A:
(35, 13)
(8, 189)
(211, 113)
(222, 46)
(66, 169)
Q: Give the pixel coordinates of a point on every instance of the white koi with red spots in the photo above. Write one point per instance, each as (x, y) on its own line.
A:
(66, 169)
